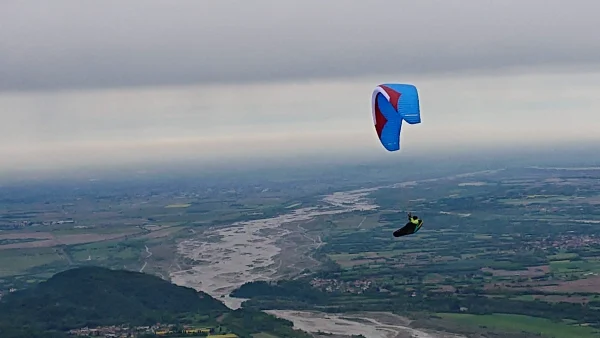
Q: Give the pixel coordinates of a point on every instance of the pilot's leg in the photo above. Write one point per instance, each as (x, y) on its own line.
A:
(408, 229)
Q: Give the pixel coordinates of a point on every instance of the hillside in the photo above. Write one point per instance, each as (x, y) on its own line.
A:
(93, 296)
(96, 296)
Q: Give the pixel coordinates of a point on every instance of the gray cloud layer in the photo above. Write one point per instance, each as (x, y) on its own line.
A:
(77, 44)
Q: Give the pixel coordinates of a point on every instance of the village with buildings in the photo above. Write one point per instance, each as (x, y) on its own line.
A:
(331, 285)
(158, 330)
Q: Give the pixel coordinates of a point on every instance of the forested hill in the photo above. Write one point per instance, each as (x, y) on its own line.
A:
(95, 296)
(100, 297)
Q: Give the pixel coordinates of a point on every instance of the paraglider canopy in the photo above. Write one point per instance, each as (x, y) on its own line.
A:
(391, 104)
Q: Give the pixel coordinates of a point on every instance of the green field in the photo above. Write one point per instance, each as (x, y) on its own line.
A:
(16, 262)
(100, 252)
(185, 205)
(517, 323)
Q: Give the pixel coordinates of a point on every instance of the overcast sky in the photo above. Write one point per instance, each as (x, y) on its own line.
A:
(84, 81)
(76, 44)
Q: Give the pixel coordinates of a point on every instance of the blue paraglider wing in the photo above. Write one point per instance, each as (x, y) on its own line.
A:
(392, 104)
